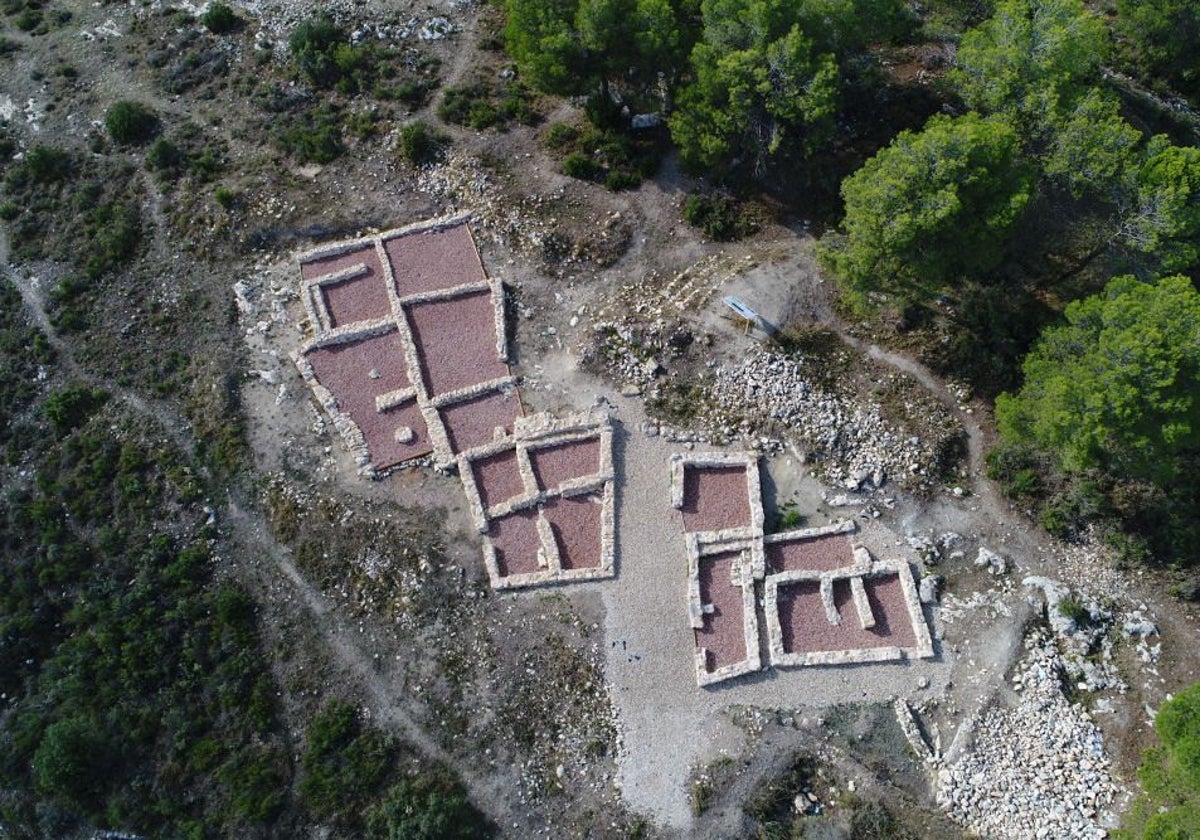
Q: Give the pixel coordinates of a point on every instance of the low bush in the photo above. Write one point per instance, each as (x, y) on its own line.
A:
(421, 144)
(131, 123)
(165, 159)
(314, 137)
(613, 157)
(432, 806)
(720, 217)
(221, 19)
(482, 105)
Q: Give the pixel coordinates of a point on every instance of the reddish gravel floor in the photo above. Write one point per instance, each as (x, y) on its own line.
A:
(576, 526)
(553, 465)
(425, 262)
(473, 422)
(456, 342)
(805, 628)
(515, 539)
(723, 634)
(364, 298)
(498, 478)
(715, 498)
(345, 370)
(822, 553)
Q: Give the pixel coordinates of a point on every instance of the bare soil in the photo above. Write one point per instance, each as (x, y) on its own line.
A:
(596, 679)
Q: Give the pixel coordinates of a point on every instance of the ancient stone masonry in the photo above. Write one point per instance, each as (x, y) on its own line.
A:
(826, 601)
(408, 351)
(408, 357)
(543, 500)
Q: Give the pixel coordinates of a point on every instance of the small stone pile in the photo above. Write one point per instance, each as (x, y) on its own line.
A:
(1037, 770)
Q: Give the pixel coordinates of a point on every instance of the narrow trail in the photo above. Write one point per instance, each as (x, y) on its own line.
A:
(251, 530)
(169, 421)
(343, 646)
(994, 506)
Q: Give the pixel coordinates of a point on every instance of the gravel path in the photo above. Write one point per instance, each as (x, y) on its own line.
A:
(668, 724)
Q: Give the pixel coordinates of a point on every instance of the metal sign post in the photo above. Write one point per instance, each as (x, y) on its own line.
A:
(743, 311)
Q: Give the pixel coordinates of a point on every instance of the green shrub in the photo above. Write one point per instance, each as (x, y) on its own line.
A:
(432, 806)
(580, 165)
(622, 179)
(47, 165)
(561, 136)
(344, 763)
(71, 761)
(421, 145)
(226, 197)
(165, 159)
(323, 54)
(220, 19)
(1073, 608)
(69, 408)
(315, 138)
(481, 106)
(131, 123)
(719, 216)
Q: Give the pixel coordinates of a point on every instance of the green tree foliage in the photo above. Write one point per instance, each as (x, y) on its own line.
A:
(69, 408)
(432, 806)
(1117, 386)
(1030, 60)
(1165, 222)
(766, 77)
(541, 37)
(345, 763)
(221, 19)
(591, 46)
(933, 204)
(70, 760)
(313, 45)
(1092, 148)
(131, 123)
(1165, 35)
(1170, 775)
(137, 696)
(45, 165)
(420, 144)
(324, 55)
(761, 88)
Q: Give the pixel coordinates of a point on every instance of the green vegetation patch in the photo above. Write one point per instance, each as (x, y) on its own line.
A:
(614, 157)
(1170, 775)
(131, 123)
(482, 105)
(720, 216)
(138, 696)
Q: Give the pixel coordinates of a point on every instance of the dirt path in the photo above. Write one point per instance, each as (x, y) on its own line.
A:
(250, 530)
(344, 646)
(169, 421)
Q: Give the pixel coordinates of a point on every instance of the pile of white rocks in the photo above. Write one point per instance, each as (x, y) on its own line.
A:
(855, 445)
(1035, 770)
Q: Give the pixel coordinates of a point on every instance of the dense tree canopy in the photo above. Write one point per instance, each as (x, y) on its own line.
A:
(751, 102)
(1170, 773)
(579, 46)
(1117, 386)
(1030, 59)
(932, 204)
(766, 77)
(1092, 148)
(1165, 35)
(1166, 220)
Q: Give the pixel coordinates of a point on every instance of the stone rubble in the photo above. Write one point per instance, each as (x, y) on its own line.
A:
(768, 393)
(1037, 770)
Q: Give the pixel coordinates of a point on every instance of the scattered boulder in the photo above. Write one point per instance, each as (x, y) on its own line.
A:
(994, 563)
